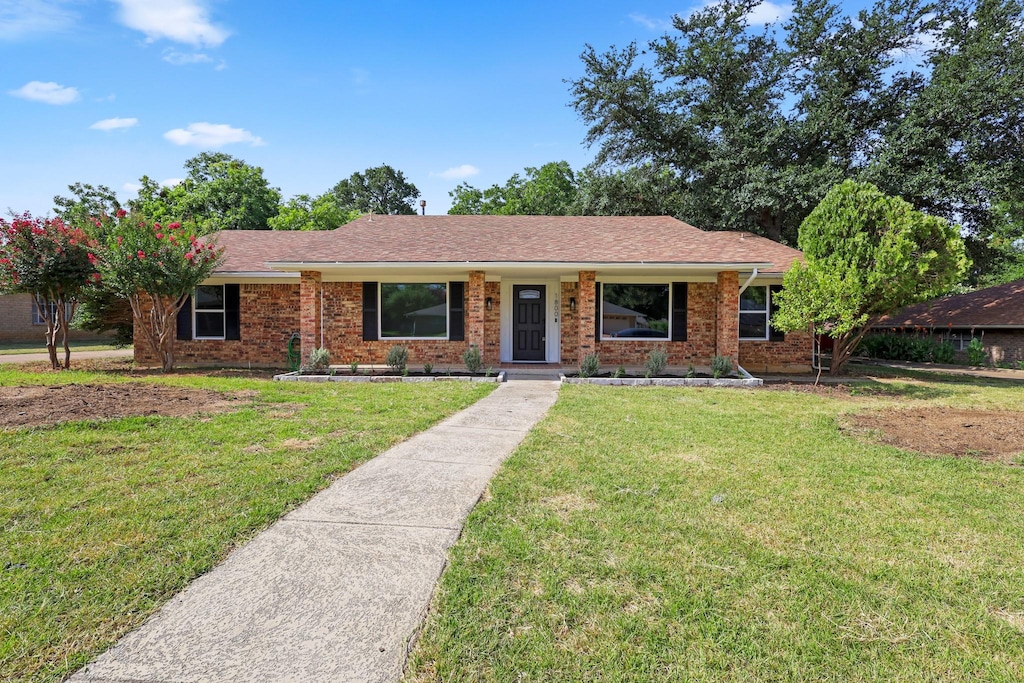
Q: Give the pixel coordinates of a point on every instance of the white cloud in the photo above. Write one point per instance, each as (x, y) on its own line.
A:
(24, 18)
(766, 13)
(211, 135)
(651, 23)
(183, 21)
(49, 92)
(769, 12)
(458, 172)
(176, 58)
(131, 187)
(171, 182)
(114, 124)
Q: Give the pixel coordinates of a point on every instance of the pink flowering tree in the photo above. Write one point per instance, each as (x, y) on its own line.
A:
(155, 267)
(54, 263)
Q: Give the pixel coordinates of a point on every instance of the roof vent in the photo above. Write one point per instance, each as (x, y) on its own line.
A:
(423, 207)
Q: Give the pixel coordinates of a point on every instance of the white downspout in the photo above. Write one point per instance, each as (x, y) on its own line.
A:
(321, 314)
(739, 368)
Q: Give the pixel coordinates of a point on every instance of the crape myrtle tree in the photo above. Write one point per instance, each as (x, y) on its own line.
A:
(155, 268)
(54, 263)
(760, 122)
(866, 255)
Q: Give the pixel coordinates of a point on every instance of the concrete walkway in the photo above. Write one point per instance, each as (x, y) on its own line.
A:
(335, 590)
(75, 355)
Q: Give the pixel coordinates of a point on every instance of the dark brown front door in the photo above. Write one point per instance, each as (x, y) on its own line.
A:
(528, 331)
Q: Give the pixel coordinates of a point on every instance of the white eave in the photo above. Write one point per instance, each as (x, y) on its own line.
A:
(492, 268)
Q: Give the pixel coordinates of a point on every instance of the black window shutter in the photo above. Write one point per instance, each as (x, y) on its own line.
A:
(370, 332)
(457, 311)
(232, 312)
(184, 324)
(774, 334)
(597, 311)
(679, 292)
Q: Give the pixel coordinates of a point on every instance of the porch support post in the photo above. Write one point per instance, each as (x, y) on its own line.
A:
(475, 309)
(309, 311)
(586, 311)
(727, 327)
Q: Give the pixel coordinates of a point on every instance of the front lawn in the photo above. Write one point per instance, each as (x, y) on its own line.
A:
(705, 534)
(11, 348)
(101, 522)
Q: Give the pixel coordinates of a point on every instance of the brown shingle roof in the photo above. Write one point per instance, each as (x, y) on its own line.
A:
(503, 239)
(1000, 306)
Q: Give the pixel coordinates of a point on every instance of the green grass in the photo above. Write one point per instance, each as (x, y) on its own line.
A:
(704, 535)
(11, 348)
(102, 522)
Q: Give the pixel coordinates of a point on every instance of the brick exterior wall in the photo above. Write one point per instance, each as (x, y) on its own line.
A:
(792, 354)
(16, 322)
(586, 312)
(475, 309)
(492, 325)
(269, 316)
(728, 312)
(270, 313)
(1003, 346)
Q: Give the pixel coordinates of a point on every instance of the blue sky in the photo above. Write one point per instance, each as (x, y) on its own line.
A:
(102, 91)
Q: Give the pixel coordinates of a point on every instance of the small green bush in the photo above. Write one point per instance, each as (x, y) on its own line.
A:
(319, 361)
(472, 360)
(353, 367)
(691, 372)
(976, 352)
(590, 365)
(657, 361)
(398, 358)
(944, 352)
(721, 366)
(619, 372)
(890, 346)
(427, 368)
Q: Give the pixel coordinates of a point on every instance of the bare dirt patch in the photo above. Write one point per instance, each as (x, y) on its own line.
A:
(996, 436)
(46, 405)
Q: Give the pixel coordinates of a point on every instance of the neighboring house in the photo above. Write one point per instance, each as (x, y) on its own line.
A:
(994, 315)
(531, 289)
(20, 321)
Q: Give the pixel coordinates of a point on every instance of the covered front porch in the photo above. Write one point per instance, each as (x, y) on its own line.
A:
(550, 315)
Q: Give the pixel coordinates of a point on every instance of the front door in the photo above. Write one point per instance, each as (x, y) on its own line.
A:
(528, 331)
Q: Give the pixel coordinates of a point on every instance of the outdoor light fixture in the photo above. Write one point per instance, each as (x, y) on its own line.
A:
(572, 303)
(489, 303)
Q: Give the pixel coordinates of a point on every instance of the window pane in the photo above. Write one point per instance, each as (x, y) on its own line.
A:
(209, 325)
(754, 299)
(210, 297)
(413, 310)
(634, 311)
(753, 325)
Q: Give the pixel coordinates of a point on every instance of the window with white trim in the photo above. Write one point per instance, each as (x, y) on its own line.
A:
(417, 310)
(208, 311)
(635, 312)
(755, 307)
(38, 319)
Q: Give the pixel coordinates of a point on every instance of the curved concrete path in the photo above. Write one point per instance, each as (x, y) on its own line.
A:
(335, 590)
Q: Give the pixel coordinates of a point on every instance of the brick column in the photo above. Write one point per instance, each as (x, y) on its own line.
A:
(475, 309)
(586, 310)
(727, 310)
(309, 311)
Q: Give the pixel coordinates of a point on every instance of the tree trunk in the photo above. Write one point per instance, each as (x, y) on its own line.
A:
(46, 315)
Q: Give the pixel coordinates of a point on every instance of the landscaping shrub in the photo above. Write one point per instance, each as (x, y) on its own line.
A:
(427, 368)
(657, 361)
(472, 360)
(398, 358)
(889, 346)
(721, 365)
(976, 352)
(590, 365)
(319, 361)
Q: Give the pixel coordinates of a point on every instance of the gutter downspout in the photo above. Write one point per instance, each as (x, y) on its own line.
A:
(321, 315)
(739, 368)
